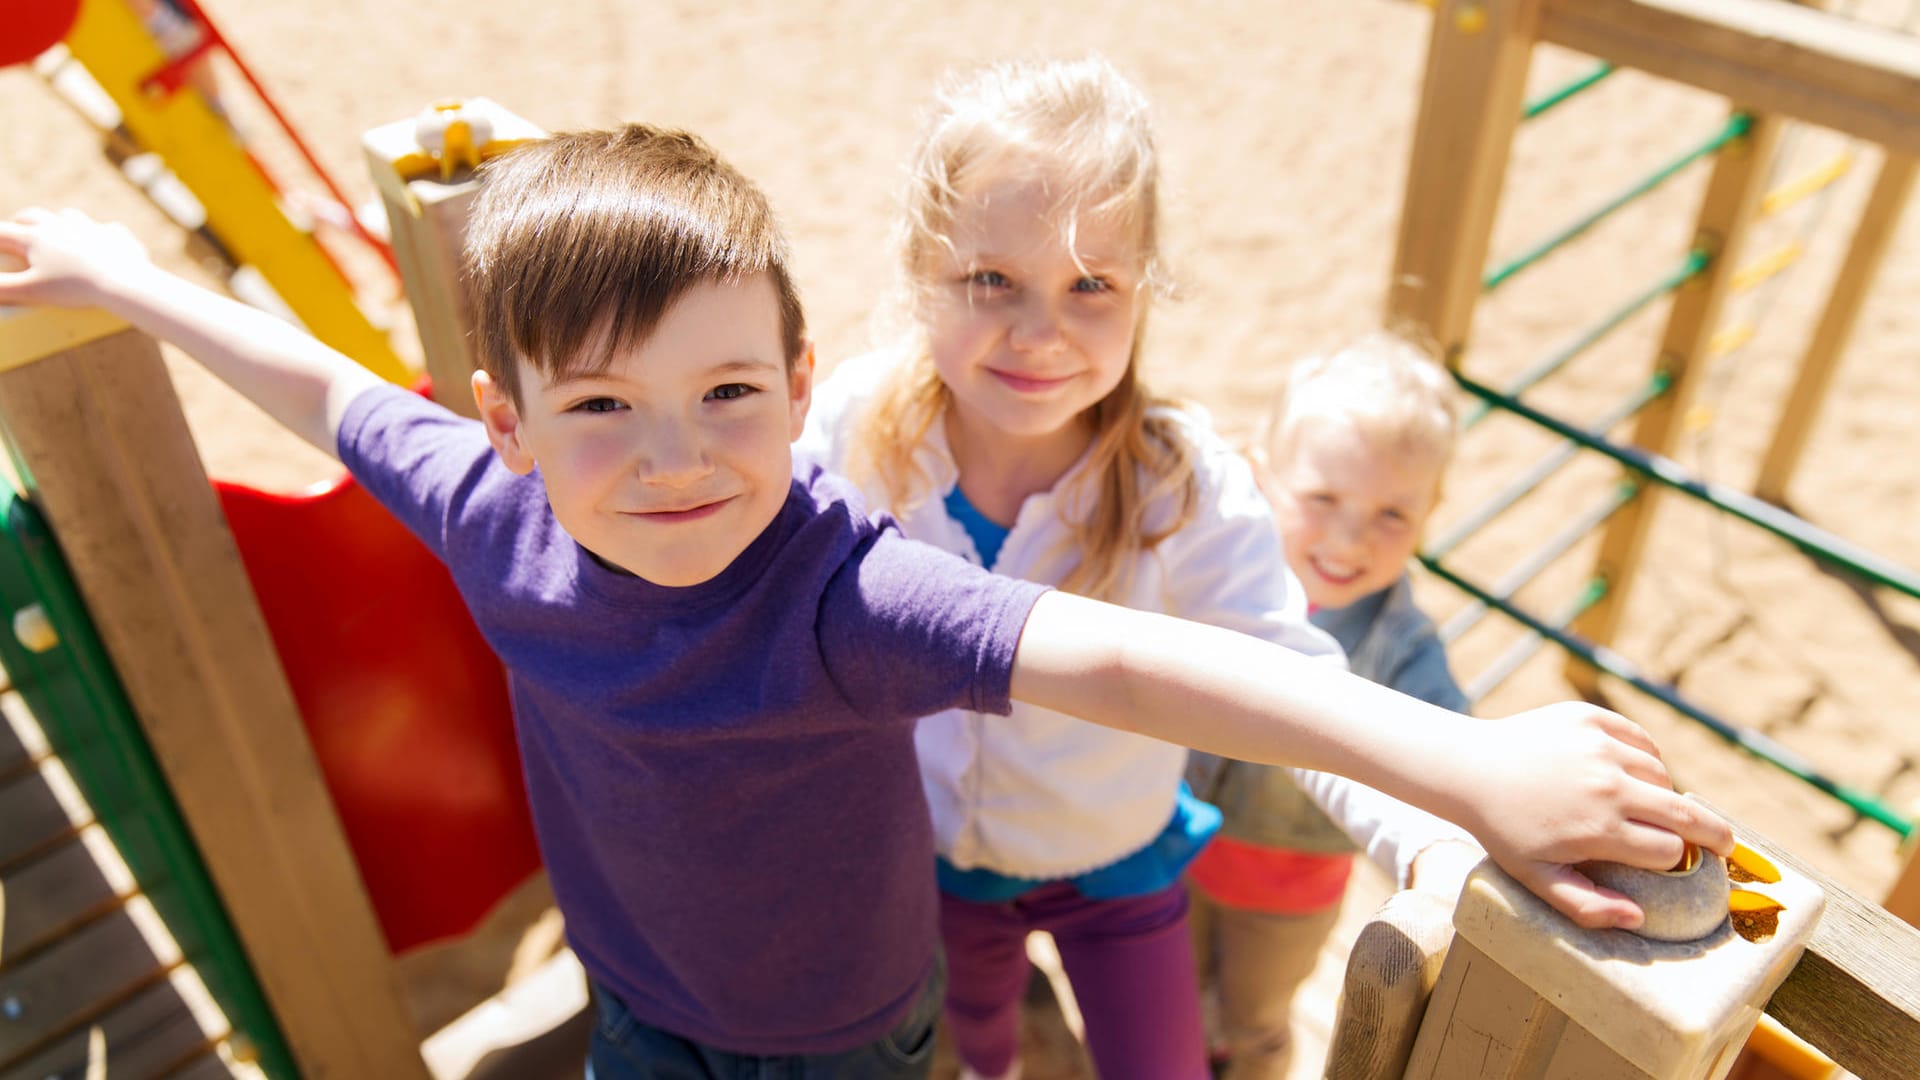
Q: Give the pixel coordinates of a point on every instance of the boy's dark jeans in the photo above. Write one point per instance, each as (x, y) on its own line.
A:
(626, 1049)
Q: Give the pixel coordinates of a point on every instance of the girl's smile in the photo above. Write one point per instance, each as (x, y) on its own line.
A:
(1030, 384)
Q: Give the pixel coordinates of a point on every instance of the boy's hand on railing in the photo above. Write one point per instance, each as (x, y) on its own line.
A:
(63, 259)
(1571, 783)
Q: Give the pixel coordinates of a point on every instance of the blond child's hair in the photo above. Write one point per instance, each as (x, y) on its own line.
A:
(1391, 388)
(1083, 128)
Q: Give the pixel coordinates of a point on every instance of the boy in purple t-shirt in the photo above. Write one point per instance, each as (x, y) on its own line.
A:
(716, 658)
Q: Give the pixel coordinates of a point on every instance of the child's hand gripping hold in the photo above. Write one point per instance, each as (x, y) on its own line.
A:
(1571, 783)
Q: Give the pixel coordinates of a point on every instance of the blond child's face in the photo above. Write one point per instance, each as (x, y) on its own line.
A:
(1028, 331)
(1350, 506)
(677, 456)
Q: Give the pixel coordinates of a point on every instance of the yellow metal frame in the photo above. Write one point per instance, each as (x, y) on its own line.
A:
(242, 207)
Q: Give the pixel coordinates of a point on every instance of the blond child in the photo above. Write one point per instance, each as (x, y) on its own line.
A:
(716, 657)
(1351, 460)
(1009, 425)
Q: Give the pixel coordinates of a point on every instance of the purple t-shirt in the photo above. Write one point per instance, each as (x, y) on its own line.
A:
(722, 776)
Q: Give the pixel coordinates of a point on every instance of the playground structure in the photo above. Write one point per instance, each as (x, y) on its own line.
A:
(149, 558)
(347, 801)
(1501, 997)
(237, 801)
(117, 75)
(1470, 112)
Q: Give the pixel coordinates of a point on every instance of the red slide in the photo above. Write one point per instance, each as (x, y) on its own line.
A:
(405, 703)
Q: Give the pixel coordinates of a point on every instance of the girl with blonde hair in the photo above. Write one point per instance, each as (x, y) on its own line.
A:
(1009, 424)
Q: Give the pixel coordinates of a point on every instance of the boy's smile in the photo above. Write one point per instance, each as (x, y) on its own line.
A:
(673, 459)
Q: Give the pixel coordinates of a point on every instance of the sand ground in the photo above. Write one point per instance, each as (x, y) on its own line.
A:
(1284, 129)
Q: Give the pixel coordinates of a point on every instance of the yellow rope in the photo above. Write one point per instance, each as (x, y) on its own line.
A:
(1794, 190)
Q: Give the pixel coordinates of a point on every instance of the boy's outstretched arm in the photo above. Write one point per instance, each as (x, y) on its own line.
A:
(1541, 791)
(71, 260)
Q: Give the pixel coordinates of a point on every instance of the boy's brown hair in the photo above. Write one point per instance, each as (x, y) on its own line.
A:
(581, 241)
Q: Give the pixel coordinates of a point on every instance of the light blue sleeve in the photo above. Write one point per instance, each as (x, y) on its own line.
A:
(1424, 674)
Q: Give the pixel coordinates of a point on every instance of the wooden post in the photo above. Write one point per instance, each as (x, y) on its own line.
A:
(427, 220)
(1469, 106)
(1525, 993)
(1733, 195)
(1871, 238)
(1396, 960)
(98, 438)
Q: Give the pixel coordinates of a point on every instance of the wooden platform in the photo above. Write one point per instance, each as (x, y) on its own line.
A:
(91, 984)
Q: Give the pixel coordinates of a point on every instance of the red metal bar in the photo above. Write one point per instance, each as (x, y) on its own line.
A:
(167, 79)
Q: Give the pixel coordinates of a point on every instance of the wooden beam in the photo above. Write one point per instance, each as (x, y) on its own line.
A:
(78, 979)
(1391, 971)
(49, 896)
(114, 470)
(1771, 57)
(1871, 238)
(427, 219)
(1470, 104)
(1731, 201)
(37, 820)
(149, 1035)
(1856, 992)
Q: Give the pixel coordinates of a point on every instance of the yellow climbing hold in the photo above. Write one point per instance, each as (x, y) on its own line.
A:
(1752, 864)
(1747, 902)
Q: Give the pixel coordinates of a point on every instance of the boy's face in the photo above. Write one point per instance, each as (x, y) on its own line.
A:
(1350, 506)
(1026, 330)
(674, 459)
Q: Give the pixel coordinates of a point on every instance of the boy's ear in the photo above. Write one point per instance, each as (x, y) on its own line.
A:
(799, 391)
(502, 421)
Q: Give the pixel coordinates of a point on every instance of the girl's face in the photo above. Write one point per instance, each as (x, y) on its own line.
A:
(1027, 331)
(1350, 507)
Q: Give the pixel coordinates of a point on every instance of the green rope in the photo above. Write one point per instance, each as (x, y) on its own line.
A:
(1815, 541)
(1551, 98)
(1524, 571)
(1736, 126)
(1691, 267)
(1548, 464)
(1753, 742)
(1517, 654)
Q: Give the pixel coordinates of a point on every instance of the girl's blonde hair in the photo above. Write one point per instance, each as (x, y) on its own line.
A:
(1384, 383)
(1084, 128)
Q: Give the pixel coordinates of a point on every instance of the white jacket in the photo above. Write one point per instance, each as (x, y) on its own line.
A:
(1044, 795)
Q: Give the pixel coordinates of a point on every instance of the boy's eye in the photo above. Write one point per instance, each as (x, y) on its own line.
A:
(989, 279)
(597, 405)
(1091, 284)
(729, 391)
